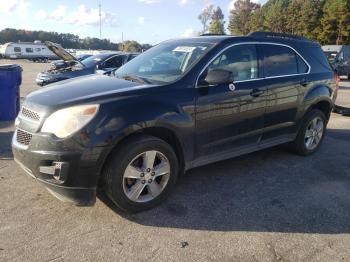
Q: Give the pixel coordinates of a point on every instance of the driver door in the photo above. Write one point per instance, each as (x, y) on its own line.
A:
(230, 117)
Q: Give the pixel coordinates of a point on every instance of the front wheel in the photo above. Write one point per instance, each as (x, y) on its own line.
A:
(311, 133)
(141, 173)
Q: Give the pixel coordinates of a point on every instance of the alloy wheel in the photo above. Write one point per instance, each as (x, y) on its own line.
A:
(146, 176)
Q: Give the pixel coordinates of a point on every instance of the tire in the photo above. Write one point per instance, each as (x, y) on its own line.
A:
(126, 192)
(348, 76)
(301, 145)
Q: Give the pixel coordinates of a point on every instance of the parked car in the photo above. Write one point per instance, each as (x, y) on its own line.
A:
(58, 64)
(106, 63)
(182, 104)
(339, 58)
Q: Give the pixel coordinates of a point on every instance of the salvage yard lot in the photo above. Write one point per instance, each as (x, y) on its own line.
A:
(266, 206)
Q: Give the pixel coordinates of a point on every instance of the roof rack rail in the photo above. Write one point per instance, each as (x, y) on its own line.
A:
(279, 35)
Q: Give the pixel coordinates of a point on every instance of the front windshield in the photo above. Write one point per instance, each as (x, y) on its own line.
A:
(164, 63)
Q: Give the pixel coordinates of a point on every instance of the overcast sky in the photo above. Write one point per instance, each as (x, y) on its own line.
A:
(147, 21)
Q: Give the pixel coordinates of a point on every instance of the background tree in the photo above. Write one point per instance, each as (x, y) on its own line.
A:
(275, 17)
(241, 16)
(67, 40)
(205, 16)
(130, 46)
(335, 22)
(217, 22)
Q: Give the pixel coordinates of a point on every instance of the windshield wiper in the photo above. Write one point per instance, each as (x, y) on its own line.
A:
(136, 78)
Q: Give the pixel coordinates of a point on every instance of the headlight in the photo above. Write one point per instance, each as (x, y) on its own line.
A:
(67, 121)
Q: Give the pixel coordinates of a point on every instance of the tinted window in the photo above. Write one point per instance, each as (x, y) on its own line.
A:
(302, 67)
(37, 49)
(279, 61)
(241, 60)
(116, 61)
(17, 49)
(29, 50)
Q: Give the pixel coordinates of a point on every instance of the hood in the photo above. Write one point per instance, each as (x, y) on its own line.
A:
(61, 53)
(84, 89)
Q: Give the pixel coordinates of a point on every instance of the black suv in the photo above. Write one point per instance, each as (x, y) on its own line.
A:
(182, 104)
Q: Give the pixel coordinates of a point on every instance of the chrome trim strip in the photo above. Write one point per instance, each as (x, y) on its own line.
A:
(256, 79)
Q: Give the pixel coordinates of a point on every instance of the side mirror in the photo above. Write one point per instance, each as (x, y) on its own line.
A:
(218, 76)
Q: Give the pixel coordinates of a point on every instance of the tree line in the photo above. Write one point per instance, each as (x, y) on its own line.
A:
(69, 41)
(325, 21)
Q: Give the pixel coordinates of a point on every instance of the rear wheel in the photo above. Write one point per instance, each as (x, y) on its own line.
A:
(141, 173)
(311, 133)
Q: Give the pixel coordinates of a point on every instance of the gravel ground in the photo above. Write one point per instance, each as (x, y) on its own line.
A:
(266, 206)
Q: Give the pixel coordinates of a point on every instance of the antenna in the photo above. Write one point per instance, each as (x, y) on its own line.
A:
(99, 8)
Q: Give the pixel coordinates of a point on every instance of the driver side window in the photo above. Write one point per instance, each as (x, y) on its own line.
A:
(241, 60)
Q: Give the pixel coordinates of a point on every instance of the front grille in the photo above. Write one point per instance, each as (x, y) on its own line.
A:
(30, 114)
(23, 137)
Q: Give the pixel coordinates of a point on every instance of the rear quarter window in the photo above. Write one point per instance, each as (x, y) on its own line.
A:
(317, 59)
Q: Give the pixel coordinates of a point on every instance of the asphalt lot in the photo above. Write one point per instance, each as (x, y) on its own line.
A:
(266, 206)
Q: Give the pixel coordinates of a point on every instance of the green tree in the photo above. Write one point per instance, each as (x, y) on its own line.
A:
(217, 22)
(241, 16)
(275, 15)
(256, 21)
(335, 22)
(310, 16)
(205, 16)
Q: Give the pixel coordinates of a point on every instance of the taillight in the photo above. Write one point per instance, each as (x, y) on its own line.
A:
(337, 80)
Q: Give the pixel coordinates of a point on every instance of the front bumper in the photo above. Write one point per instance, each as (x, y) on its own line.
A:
(75, 183)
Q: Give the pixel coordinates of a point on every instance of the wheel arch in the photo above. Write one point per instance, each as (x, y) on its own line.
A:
(319, 97)
(164, 133)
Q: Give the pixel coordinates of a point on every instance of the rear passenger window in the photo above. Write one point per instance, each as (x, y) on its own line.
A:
(241, 60)
(279, 61)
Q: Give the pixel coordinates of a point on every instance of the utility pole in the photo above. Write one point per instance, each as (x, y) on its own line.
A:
(99, 8)
(123, 41)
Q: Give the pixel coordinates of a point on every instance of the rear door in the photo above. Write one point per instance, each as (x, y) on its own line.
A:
(286, 79)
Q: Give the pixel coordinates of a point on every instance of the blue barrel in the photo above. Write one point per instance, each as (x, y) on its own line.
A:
(10, 81)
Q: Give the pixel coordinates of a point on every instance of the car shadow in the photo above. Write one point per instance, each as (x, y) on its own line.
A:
(268, 191)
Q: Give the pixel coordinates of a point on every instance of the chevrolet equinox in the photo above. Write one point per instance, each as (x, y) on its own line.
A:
(182, 104)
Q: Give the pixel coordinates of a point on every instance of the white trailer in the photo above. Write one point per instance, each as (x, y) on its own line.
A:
(36, 51)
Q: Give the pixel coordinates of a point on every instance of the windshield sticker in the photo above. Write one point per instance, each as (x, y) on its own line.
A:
(186, 49)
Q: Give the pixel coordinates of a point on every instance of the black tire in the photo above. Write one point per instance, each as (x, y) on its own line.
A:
(118, 162)
(298, 146)
(348, 76)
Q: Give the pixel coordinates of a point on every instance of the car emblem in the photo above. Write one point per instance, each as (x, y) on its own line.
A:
(232, 87)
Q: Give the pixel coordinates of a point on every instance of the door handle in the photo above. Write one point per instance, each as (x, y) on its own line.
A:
(304, 82)
(256, 92)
